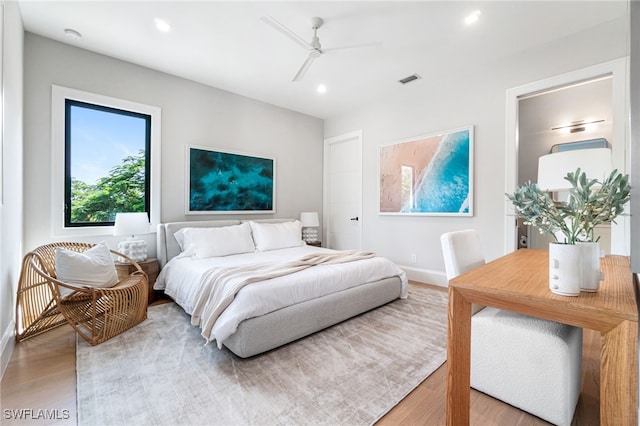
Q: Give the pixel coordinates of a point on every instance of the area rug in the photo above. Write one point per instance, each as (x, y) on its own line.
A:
(160, 372)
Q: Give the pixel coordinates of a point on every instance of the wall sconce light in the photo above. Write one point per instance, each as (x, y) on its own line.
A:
(132, 224)
(576, 126)
(310, 224)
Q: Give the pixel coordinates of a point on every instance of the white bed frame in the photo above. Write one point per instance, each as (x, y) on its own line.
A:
(261, 334)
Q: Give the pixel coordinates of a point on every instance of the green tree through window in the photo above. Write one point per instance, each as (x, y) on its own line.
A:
(107, 154)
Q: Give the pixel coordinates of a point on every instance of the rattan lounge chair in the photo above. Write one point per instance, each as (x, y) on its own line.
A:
(96, 314)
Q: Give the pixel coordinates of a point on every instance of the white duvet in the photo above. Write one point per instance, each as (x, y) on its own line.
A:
(182, 277)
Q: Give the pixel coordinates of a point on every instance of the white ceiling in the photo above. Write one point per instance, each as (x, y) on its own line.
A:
(228, 46)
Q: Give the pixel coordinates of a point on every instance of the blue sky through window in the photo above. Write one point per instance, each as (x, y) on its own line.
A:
(101, 140)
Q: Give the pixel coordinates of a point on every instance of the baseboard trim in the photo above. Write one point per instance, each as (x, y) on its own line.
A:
(426, 276)
(7, 344)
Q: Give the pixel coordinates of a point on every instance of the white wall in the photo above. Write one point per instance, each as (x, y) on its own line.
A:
(474, 96)
(192, 113)
(11, 222)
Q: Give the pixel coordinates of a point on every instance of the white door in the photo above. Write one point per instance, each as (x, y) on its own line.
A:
(343, 191)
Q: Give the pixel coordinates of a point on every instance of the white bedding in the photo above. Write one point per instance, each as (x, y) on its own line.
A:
(183, 276)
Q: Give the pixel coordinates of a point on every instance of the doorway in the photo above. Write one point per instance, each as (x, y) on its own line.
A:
(610, 80)
(578, 114)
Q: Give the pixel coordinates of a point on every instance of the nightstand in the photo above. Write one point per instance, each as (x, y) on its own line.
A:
(149, 266)
(315, 243)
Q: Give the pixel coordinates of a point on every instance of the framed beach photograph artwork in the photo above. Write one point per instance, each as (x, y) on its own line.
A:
(220, 181)
(428, 175)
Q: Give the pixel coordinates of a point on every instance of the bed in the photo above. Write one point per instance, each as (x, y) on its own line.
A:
(255, 293)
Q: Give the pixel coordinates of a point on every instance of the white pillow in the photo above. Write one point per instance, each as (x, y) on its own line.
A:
(220, 241)
(179, 235)
(92, 268)
(273, 236)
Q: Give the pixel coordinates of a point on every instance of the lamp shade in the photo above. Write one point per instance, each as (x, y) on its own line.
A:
(597, 163)
(309, 219)
(131, 224)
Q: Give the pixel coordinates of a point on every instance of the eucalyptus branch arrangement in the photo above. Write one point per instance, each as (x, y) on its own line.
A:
(590, 203)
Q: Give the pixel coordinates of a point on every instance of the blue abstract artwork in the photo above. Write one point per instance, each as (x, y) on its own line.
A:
(228, 182)
(428, 175)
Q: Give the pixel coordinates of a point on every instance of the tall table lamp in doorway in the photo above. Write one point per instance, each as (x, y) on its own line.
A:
(310, 224)
(596, 163)
(132, 224)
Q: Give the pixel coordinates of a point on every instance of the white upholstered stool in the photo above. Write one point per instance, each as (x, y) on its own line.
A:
(530, 363)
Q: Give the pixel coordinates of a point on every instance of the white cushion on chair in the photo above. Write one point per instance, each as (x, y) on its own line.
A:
(92, 268)
(530, 363)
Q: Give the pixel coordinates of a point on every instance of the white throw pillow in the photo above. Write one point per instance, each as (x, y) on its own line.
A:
(92, 268)
(273, 236)
(218, 241)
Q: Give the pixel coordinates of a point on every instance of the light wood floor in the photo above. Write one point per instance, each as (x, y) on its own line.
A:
(41, 376)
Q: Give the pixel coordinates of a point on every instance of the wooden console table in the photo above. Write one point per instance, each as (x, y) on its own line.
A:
(518, 282)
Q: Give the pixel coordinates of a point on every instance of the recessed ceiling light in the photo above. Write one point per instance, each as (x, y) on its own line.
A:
(162, 25)
(472, 18)
(322, 88)
(72, 34)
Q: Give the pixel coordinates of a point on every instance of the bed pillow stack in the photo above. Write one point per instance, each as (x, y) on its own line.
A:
(247, 237)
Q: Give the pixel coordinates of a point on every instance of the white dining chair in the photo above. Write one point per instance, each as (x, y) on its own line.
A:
(530, 363)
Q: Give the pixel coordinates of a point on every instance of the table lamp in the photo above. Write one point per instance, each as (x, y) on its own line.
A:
(310, 224)
(132, 224)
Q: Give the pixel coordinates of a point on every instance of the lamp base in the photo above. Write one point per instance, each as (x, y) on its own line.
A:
(135, 249)
(309, 234)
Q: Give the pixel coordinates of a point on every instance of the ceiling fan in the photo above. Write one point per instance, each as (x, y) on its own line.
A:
(314, 48)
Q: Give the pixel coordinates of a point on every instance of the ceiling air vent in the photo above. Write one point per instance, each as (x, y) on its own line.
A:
(409, 79)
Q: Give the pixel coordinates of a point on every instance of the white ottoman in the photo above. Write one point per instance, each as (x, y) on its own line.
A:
(530, 363)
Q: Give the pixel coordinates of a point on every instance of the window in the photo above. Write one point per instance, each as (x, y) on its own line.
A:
(105, 160)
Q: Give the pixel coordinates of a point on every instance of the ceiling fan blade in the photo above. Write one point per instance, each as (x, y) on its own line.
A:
(303, 69)
(355, 46)
(286, 31)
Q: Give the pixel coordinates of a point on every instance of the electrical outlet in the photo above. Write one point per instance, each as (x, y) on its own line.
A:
(414, 258)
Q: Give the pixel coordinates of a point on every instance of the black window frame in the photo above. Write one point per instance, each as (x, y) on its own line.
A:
(69, 103)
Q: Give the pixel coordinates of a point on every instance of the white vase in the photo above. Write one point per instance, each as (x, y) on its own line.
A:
(590, 268)
(565, 261)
